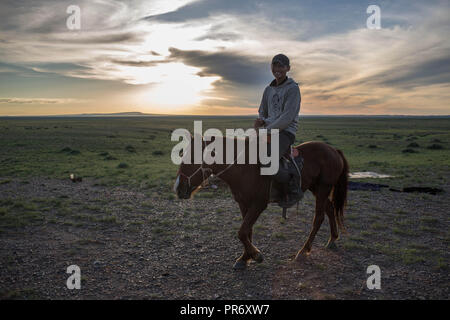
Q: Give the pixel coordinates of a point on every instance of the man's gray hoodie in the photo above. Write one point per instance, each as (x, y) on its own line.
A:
(280, 106)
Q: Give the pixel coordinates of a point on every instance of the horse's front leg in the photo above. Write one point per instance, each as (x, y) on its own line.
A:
(245, 235)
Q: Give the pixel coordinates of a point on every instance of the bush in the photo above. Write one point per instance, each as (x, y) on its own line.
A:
(435, 146)
(110, 157)
(130, 148)
(158, 153)
(66, 149)
(409, 151)
(373, 146)
(413, 145)
(122, 165)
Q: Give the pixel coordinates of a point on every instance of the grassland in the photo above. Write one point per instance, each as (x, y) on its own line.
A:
(136, 151)
(133, 239)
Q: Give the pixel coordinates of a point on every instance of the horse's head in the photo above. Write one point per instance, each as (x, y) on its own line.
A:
(191, 177)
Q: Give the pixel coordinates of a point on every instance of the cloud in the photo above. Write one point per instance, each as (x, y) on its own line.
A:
(132, 63)
(225, 36)
(230, 66)
(39, 101)
(105, 38)
(203, 9)
(340, 64)
(423, 73)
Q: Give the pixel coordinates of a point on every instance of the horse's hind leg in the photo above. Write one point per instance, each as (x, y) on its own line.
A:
(334, 235)
(321, 198)
(241, 262)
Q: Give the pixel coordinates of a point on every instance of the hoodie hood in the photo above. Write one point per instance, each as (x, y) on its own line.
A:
(286, 82)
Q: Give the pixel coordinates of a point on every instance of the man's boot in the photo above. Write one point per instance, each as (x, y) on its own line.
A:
(294, 192)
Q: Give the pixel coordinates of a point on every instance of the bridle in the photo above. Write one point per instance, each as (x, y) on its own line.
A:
(203, 170)
(207, 172)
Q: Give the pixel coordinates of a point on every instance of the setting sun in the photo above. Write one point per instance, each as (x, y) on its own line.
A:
(177, 86)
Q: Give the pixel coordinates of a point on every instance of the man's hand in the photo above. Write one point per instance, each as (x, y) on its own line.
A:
(265, 138)
(258, 123)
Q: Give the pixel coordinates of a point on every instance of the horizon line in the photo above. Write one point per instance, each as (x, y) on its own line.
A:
(141, 114)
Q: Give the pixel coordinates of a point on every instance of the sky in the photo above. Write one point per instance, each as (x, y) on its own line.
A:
(212, 57)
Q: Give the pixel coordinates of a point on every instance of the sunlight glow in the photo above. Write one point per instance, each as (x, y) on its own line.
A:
(175, 86)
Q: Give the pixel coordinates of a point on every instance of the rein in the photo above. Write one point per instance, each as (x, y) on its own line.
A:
(203, 170)
(195, 172)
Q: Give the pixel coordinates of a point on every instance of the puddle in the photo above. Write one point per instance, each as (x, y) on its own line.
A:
(368, 174)
(377, 187)
(365, 186)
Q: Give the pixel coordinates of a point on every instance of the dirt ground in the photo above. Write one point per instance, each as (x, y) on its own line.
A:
(131, 244)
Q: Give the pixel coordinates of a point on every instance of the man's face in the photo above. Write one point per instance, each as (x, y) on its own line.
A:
(279, 71)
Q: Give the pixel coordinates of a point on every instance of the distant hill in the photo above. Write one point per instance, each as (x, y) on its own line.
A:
(117, 114)
(141, 114)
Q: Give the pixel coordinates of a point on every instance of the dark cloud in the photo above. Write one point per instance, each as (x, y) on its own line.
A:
(232, 67)
(426, 73)
(60, 67)
(126, 37)
(204, 9)
(418, 73)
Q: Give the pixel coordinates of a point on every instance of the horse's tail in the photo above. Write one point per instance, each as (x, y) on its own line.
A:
(340, 194)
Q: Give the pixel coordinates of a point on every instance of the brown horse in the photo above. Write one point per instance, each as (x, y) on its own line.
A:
(325, 174)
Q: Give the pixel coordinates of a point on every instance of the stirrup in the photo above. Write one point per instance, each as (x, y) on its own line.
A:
(289, 202)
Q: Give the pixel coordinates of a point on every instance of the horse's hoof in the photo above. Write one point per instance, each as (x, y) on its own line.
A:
(331, 246)
(300, 257)
(240, 265)
(258, 257)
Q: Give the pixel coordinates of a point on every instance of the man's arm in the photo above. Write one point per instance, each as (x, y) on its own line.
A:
(291, 110)
(263, 114)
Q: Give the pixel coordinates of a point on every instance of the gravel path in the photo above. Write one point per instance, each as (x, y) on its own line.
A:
(134, 244)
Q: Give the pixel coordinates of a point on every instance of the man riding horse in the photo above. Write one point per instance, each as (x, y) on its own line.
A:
(324, 170)
(279, 109)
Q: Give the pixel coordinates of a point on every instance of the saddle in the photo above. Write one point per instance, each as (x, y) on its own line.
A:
(292, 153)
(290, 168)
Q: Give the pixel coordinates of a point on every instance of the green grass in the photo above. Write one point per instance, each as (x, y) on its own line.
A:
(16, 213)
(411, 256)
(22, 294)
(136, 151)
